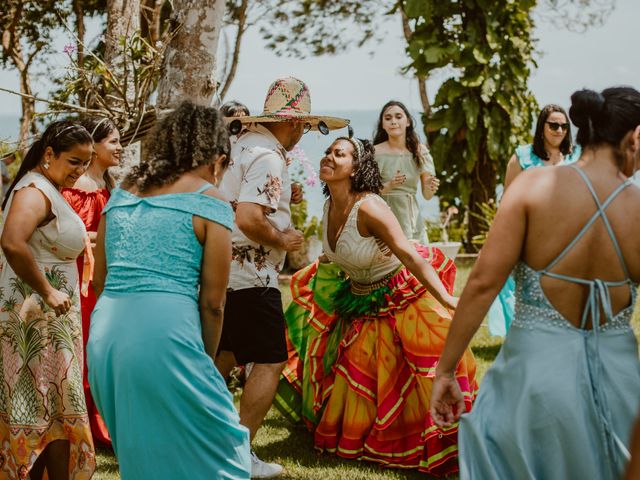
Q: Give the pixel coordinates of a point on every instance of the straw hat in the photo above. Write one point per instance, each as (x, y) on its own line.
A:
(288, 100)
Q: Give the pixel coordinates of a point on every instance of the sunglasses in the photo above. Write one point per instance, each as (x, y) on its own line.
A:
(322, 128)
(555, 126)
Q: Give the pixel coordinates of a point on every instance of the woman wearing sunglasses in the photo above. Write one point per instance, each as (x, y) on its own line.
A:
(552, 145)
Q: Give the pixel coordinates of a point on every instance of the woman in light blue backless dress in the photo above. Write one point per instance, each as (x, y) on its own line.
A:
(165, 234)
(561, 397)
(552, 145)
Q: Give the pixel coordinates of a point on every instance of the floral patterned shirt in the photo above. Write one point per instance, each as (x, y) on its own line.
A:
(257, 174)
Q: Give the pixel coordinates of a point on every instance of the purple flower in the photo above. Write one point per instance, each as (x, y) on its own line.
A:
(70, 49)
(311, 176)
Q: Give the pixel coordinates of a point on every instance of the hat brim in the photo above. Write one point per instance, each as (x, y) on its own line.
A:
(332, 123)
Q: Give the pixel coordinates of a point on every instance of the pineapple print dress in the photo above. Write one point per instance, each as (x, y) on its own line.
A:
(41, 394)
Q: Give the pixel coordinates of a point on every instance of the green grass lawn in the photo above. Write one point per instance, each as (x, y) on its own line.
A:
(292, 445)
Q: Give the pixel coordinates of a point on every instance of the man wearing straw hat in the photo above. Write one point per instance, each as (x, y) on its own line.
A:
(258, 186)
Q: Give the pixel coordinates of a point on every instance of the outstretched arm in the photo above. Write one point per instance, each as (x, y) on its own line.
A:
(378, 221)
(499, 255)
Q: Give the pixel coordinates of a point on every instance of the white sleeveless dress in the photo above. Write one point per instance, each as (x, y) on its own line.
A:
(41, 360)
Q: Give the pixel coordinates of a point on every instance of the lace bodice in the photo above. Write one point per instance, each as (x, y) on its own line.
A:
(362, 258)
(150, 242)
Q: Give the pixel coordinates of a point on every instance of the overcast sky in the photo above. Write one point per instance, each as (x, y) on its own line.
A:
(601, 57)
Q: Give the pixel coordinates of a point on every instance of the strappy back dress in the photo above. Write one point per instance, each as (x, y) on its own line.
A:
(559, 401)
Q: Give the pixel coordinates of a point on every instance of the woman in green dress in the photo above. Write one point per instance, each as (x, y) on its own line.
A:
(404, 164)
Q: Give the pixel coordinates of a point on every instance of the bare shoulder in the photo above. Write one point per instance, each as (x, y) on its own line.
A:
(30, 200)
(86, 184)
(373, 207)
(215, 192)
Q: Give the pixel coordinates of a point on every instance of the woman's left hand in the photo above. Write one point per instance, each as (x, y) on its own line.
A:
(447, 402)
(433, 183)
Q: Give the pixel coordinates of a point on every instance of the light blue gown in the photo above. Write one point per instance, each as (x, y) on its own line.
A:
(559, 402)
(501, 310)
(168, 410)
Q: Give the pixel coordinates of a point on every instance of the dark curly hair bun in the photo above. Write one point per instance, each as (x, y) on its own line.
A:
(187, 138)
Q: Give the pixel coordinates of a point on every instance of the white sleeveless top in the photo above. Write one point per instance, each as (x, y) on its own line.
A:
(364, 259)
(63, 238)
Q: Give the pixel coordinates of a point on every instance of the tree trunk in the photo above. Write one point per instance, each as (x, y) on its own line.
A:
(484, 188)
(242, 27)
(79, 14)
(190, 61)
(123, 19)
(12, 48)
(150, 20)
(422, 79)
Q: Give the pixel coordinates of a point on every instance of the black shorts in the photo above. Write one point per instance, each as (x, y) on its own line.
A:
(254, 326)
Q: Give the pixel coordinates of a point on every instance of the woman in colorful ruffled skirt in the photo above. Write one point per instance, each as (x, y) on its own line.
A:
(365, 332)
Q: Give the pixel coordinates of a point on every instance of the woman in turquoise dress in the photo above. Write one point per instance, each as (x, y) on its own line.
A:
(404, 164)
(561, 397)
(552, 145)
(162, 263)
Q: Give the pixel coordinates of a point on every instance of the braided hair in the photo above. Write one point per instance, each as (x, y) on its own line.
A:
(187, 138)
(61, 136)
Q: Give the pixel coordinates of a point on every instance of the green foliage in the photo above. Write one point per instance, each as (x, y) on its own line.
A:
(485, 109)
(28, 27)
(301, 221)
(298, 28)
(487, 212)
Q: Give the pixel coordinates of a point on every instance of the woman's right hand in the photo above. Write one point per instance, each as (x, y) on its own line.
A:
(397, 180)
(447, 401)
(58, 301)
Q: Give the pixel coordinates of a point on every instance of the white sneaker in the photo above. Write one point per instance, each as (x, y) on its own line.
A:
(260, 469)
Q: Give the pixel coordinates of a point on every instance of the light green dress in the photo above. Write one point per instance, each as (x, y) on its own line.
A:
(402, 199)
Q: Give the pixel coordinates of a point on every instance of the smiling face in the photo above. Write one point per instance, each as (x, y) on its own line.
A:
(555, 137)
(107, 152)
(395, 121)
(337, 163)
(65, 168)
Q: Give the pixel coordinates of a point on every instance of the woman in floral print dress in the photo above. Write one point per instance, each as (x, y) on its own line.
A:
(43, 415)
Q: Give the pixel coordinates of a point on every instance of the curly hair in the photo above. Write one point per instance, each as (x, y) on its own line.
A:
(566, 147)
(412, 141)
(100, 128)
(61, 136)
(366, 174)
(187, 138)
